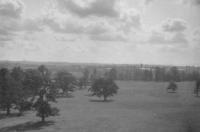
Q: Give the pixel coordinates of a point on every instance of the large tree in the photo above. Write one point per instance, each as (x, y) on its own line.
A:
(21, 100)
(45, 95)
(65, 81)
(42, 105)
(39, 86)
(32, 82)
(103, 87)
(7, 90)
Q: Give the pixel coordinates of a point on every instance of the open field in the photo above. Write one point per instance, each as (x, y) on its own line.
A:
(138, 107)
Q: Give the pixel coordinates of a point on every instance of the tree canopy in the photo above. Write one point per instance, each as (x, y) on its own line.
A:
(103, 87)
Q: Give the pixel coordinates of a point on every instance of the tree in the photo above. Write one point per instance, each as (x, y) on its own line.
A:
(32, 82)
(85, 77)
(7, 90)
(197, 87)
(20, 93)
(45, 75)
(65, 81)
(43, 106)
(159, 74)
(94, 75)
(174, 74)
(172, 86)
(81, 82)
(112, 74)
(104, 87)
(45, 95)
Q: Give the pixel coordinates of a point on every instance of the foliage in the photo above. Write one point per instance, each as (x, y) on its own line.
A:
(65, 81)
(43, 106)
(21, 96)
(172, 86)
(22, 90)
(85, 77)
(112, 74)
(45, 95)
(93, 76)
(32, 82)
(197, 87)
(174, 74)
(7, 90)
(104, 87)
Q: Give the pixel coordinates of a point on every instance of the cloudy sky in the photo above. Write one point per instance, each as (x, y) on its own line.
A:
(105, 31)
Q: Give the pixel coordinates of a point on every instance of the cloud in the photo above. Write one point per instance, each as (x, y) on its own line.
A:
(169, 32)
(196, 37)
(174, 25)
(31, 25)
(108, 37)
(161, 38)
(8, 29)
(11, 28)
(147, 2)
(11, 8)
(10, 14)
(130, 19)
(94, 28)
(100, 8)
(13, 24)
(62, 27)
(98, 28)
(191, 2)
(157, 38)
(179, 38)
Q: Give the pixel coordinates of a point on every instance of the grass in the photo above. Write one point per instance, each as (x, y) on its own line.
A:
(138, 107)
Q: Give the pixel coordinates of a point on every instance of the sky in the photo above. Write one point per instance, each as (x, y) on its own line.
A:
(165, 32)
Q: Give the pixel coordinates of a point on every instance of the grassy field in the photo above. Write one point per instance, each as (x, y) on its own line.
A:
(138, 107)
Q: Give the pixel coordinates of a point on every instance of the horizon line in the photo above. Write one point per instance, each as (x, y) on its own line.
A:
(99, 63)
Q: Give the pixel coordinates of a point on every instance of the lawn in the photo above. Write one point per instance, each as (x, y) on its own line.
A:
(138, 107)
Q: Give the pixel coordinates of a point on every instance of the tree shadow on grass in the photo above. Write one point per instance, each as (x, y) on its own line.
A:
(98, 100)
(171, 91)
(26, 126)
(65, 96)
(191, 127)
(4, 116)
(89, 95)
(197, 96)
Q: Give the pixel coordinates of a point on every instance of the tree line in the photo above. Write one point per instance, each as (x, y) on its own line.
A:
(37, 89)
(148, 74)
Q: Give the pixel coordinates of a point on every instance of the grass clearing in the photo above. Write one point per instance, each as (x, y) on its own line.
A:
(138, 107)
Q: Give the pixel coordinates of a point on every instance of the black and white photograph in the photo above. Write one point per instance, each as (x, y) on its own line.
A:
(99, 65)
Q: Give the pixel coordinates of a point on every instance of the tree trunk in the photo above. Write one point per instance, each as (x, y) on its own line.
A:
(8, 110)
(43, 119)
(104, 98)
(20, 112)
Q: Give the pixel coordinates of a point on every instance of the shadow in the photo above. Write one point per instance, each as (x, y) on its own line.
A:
(97, 100)
(65, 96)
(27, 126)
(171, 91)
(89, 95)
(190, 127)
(197, 96)
(12, 115)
